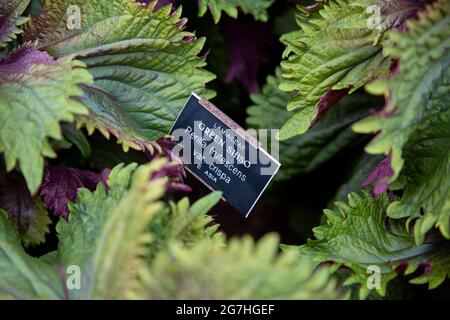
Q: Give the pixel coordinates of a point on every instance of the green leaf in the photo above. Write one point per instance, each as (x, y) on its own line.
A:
(107, 231)
(22, 276)
(36, 94)
(38, 227)
(88, 215)
(191, 227)
(11, 20)
(78, 138)
(144, 64)
(426, 175)
(257, 8)
(331, 135)
(334, 50)
(184, 223)
(419, 91)
(241, 270)
(122, 244)
(358, 236)
(416, 130)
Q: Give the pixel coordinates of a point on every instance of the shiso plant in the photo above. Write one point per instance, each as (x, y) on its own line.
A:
(94, 207)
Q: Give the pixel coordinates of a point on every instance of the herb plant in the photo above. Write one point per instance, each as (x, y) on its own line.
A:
(94, 207)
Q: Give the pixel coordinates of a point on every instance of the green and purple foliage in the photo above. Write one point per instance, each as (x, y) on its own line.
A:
(360, 93)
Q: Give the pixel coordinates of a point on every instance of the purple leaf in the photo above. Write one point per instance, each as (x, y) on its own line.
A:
(397, 12)
(176, 173)
(327, 101)
(10, 19)
(17, 201)
(427, 267)
(379, 176)
(401, 268)
(249, 44)
(173, 170)
(25, 211)
(104, 177)
(23, 58)
(61, 185)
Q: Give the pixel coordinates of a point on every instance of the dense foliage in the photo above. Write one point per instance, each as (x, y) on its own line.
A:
(360, 91)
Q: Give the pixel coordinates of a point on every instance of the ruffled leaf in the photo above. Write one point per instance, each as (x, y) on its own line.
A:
(88, 215)
(426, 179)
(241, 270)
(184, 222)
(327, 138)
(144, 64)
(334, 52)
(424, 63)
(358, 236)
(395, 13)
(414, 125)
(61, 184)
(107, 230)
(11, 20)
(36, 95)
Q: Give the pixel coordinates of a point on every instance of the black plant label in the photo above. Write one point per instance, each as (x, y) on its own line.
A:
(221, 154)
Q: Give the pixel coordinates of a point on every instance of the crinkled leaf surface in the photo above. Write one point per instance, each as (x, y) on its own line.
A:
(328, 137)
(415, 129)
(257, 8)
(108, 234)
(420, 90)
(358, 235)
(143, 62)
(107, 230)
(115, 243)
(61, 184)
(10, 19)
(122, 244)
(241, 270)
(334, 52)
(78, 235)
(426, 175)
(35, 95)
